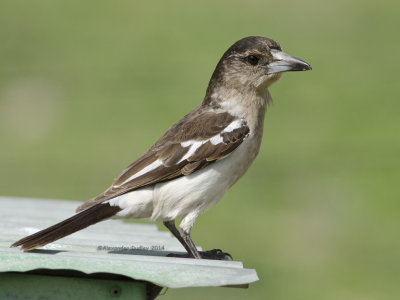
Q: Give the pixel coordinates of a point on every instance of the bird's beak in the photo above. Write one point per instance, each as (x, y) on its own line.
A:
(283, 62)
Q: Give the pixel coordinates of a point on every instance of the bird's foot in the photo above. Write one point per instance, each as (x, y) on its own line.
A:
(216, 254)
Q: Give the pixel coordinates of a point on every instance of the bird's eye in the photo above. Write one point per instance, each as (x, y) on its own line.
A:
(252, 59)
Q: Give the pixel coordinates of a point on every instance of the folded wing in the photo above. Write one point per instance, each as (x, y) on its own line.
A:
(196, 141)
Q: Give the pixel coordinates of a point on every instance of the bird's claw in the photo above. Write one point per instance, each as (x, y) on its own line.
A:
(216, 254)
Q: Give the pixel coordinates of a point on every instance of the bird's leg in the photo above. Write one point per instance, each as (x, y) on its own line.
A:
(184, 238)
(192, 248)
(171, 227)
(210, 254)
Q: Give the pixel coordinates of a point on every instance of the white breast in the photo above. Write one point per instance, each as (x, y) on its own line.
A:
(202, 189)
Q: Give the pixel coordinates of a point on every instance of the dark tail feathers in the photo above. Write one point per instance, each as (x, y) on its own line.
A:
(83, 219)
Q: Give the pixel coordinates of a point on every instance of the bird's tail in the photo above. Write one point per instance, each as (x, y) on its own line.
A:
(83, 219)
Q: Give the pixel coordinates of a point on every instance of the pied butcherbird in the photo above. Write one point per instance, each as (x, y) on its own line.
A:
(199, 158)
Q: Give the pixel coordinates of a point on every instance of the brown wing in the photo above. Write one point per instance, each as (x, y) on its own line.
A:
(199, 139)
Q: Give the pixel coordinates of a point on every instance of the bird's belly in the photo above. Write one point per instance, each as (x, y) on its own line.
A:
(203, 188)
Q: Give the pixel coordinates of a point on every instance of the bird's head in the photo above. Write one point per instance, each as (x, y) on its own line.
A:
(254, 63)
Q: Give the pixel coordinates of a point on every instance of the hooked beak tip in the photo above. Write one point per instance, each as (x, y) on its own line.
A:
(285, 62)
(308, 67)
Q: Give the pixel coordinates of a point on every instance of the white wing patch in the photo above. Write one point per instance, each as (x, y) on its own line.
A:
(215, 140)
(187, 143)
(192, 150)
(143, 171)
(233, 125)
(193, 144)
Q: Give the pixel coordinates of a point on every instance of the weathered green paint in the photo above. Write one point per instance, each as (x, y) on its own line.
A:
(39, 287)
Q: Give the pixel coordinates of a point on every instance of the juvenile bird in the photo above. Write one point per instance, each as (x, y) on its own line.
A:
(199, 158)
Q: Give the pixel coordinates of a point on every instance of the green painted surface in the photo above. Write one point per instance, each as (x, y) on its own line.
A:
(31, 287)
(110, 247)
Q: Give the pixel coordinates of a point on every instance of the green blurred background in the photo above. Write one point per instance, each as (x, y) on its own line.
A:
(87, 86)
